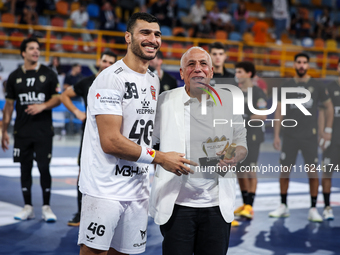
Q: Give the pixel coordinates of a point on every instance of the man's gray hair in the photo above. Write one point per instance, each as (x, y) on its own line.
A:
(199, 48)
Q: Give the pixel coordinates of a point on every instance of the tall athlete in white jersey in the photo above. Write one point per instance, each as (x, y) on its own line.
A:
(117, 149)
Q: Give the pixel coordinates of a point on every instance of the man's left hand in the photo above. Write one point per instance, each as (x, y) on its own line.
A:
(34, 109)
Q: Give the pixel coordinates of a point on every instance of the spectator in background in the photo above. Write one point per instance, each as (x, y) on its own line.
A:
(226, 19)
(55, 65)
(17, 6)
(240, 16)
(173, 13)
(280, 15)
(29, 15)
(214, 17)
(203, 29)
(73, 76)
(160, 10)
(126, 6)
(324, 25)
(79, 19)
(197, 12)
(218, 56)
(107, 17)
(300, 24)
(260, 30)
(167, 81)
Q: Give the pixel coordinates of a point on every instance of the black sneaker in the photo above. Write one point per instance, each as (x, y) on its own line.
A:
(75, 222)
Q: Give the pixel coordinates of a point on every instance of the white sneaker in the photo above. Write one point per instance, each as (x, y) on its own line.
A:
(328, 213)
(313, 215)
(47, 214)
(26, 213)
(282, 211)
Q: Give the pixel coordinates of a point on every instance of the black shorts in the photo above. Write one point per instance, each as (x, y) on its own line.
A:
(253, 155)
(291, 146)
(331, 157)
(27, 149)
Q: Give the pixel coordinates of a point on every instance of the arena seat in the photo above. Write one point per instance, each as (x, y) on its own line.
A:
(17, 44)
(74, 6)
(221, 35)
(177, 55)
(232, 58)
(319, 43)
(319, 60)
(57, 22)
(247, 52)
(333, 65)
(102, 47)
(2, 42)
(93, 10)
(7, 18)
(331, 44)
(62, 7)
(68, 47)
(235, 36)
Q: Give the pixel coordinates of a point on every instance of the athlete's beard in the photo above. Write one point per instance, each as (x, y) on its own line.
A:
(136, 49)
(300, 74)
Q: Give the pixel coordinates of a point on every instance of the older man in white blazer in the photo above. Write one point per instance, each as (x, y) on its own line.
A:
(195, 211)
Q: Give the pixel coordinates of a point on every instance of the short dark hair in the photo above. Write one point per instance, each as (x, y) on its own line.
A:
(217, 45)
(109, 53)
(301, 54)
(247, 67)
(140, 16)
(75, 64)
(159, 55)
(26, 41)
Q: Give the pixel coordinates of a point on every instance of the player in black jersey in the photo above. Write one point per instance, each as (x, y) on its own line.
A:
(303, 136)
(35, 89)
(331, 154)
(244, 73)
(81, 89)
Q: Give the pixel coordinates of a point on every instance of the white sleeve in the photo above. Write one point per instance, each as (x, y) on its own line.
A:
(106, 95)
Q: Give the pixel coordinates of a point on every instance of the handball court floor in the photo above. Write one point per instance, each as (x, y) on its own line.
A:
(262, 235)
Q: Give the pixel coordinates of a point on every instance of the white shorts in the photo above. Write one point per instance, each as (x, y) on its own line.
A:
(109, 223)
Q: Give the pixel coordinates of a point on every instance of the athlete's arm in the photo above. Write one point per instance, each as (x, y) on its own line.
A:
(114, 143)
(329, 115)
(66, 100)
(6, 119)
(277, 127)
(34, 109)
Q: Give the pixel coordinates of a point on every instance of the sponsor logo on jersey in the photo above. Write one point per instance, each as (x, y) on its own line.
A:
(42, 78)
(143, 234)
(95, 229)
(31, 98)
(151, 152)
(19, 80)
(119, 70)
(98, 96)
(145, 108)
(143, 91)
(153, 92)
(130, 171)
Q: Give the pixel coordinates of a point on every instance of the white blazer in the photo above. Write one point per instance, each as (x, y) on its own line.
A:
(169, 132)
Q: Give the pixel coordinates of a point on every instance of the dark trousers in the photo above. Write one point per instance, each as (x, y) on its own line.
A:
(199, 231)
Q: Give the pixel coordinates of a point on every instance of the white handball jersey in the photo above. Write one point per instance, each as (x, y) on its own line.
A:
(118, 90)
